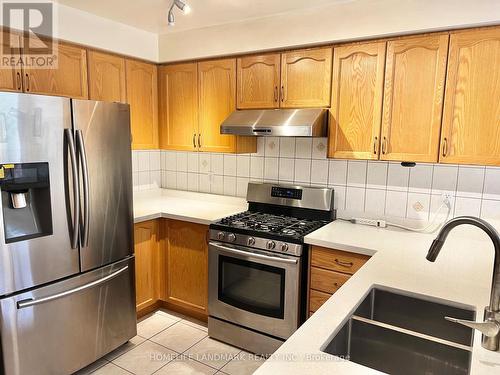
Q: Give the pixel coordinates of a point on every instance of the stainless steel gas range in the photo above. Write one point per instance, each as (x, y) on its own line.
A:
(258, 265)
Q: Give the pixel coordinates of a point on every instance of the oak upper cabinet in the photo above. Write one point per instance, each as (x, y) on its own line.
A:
(11, 79)
(258, 81)
(142, 95)
(306, 78)
(187, 265)
(413, 98)
(471, 120)
(217, 99)
(178, 106)
(106, 77)
(68, 79)
(355, 114)
(146, 256)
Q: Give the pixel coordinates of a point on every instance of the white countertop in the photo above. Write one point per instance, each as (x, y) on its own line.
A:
(461, 276)
(184, 205)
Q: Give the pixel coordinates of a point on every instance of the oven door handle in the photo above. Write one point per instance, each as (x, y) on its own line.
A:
(254, 255)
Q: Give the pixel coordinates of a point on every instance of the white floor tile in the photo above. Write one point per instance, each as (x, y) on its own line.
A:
(179, 337)
(145, 358)
(184, 366)
(153, 324)
(212, 353)
(244, 364)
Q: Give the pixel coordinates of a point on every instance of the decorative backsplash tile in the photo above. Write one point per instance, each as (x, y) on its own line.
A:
(367, 188)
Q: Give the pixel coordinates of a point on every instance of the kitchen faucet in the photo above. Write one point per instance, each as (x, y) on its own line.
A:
(490, 328)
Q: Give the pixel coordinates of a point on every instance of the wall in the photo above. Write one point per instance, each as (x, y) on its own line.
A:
(369, 189)
(350, 20)
(80, 27)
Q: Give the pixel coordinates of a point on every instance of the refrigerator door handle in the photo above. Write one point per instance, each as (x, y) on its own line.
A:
(86, 198)
(93, 284)
(76, 188)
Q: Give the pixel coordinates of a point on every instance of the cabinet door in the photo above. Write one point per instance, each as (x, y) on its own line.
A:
(471, 121)
(187, 270)
(68, 79)
(146, 255)
(357, 85)
(178, 106)
(258, 81)
(142, 95)
(106, 77)
(413, 98)
(11, 79)
(217, 92)
(305, 78)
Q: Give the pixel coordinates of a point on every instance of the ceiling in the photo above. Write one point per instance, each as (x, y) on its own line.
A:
(151, 15)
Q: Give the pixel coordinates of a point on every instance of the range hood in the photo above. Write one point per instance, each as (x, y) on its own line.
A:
(306, 122)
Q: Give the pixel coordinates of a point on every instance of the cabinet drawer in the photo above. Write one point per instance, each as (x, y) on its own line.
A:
(316, 299)
(327, 281)
(337, 260)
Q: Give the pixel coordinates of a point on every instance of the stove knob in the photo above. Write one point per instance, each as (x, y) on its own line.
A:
(270, 245)
(284, 247)
(251, 241)
(220, 236)
(231, 237)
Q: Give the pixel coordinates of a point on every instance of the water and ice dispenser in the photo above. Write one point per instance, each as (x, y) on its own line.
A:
(26, 205)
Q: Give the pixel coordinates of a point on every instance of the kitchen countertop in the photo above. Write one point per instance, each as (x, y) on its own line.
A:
(460, 276)
(184, 205)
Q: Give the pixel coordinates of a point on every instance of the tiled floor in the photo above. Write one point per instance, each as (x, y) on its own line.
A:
(169, 343)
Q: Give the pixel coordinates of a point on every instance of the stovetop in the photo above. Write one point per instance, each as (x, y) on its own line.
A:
(280, 227)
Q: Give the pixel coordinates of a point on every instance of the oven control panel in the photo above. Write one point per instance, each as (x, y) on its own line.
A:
(275, 246)
(285, 192)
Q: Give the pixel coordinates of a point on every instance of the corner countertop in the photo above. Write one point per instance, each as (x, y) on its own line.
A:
(460, 276)
(184, 205)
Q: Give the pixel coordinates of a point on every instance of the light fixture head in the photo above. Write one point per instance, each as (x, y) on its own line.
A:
(171, 18)
(185, 8)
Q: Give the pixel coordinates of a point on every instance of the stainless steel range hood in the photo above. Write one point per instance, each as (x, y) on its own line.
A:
(307, 122)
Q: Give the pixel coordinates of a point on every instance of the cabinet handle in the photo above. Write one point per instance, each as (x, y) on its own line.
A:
(282, 93)
(27, 82)
(275, 93)
(19, 82)
(344, 263)
(384, 145)
(194, 140)
(375, 144)
(199, 140)
(445, 147)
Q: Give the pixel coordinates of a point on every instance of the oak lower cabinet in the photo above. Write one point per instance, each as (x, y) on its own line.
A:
(142, 96)
(306, 78)
(356, 109)
(471, 119)
(186, 262)
(68, 79)
(146, 264)
(106, 77)
(329, 270)
(415, 72)
(178, 106)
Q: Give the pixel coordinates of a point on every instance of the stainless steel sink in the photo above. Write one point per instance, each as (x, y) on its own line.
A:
(398, 334)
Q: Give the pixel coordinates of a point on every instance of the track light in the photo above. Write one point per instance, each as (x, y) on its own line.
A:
(185, 8)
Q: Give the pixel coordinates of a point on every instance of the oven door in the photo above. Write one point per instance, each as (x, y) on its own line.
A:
(254, 289)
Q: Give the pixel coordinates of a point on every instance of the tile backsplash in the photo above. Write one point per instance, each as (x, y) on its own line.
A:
(368, 188)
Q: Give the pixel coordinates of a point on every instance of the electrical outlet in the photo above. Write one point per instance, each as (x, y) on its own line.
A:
(446, 198)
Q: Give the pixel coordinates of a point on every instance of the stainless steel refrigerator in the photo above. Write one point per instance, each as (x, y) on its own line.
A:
(67, 294)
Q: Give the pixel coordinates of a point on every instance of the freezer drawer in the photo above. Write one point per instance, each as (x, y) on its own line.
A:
(61, 328)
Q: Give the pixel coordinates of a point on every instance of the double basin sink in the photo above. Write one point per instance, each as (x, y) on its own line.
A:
(399, 334)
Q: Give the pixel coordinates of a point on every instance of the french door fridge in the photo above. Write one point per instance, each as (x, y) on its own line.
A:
(67, 293)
